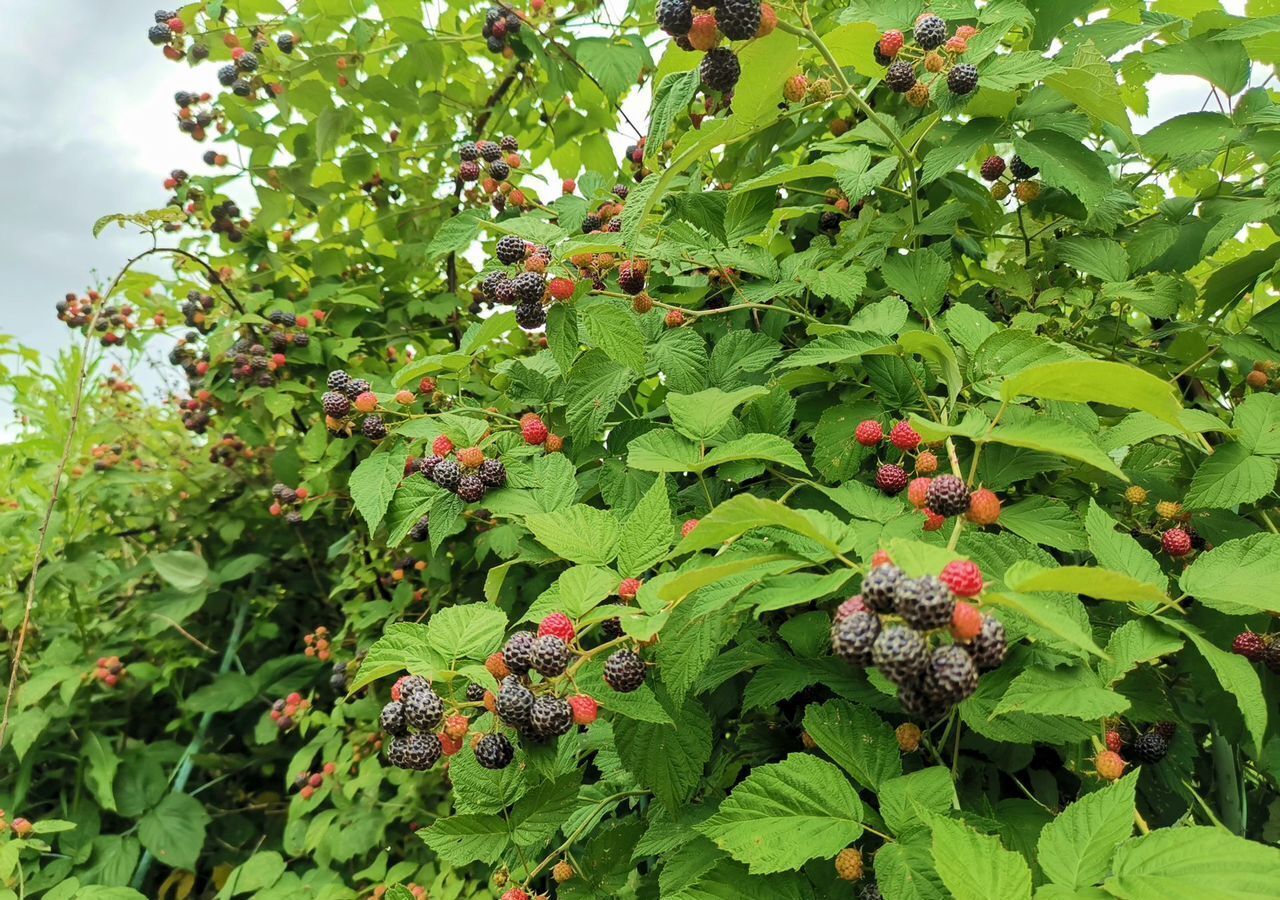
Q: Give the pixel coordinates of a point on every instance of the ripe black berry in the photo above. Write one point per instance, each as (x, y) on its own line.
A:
(393, 720)
(475, 692)
(551, 716)
(499, 170)
(509, 144)
(158, 33)
(468, 152)
(335, 404)
(550, 656)
(285, 43)
(1271, 655)
(1019, 169)
(247, 62)
(631, 279)
(164, 15)
(338, 380)
(951, 675)
(427, 466)
(493, 473)
(992, 168)
(514, 702)
(411, 685)
(471, 489)
(529, 287)
(447, 474)
(900, 653)
(901, 76)
(356, 387)
(880, 587)
(373, 427)
(919, 703)
(510, 249)
(1148, 749)
(518, 653)
(591, 223)
(963, 79)
(490, 151)
(720, 69)
(926, 603)
(492, 285)
(989, 647)
(227, 75)
(242, 87)
(852, 638)
(880, 58)
(621, 191)
(423, 709)
(624, 671)
(739, 20)
(420, 751)
(494, 751)
(675, 17)
(931, 32)
(948, 496)
(530, 316)
(420, 530)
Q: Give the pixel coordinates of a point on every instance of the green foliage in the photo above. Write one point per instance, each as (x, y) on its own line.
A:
(197, 699)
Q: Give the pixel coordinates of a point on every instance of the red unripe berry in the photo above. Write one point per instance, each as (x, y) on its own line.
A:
(1110, 765)
(629, 587)
(963, 577)
(1114, 742)
(330, 768)
(497, 666)
(890, 43)
(675, 318)
(176, 25)
(1176, 542)
(1249, 645)
(554, 443)
(515, 893)
(891, 479)
(557, 625)
(307, 792)
(456, 727)
(21, 827)
(561, 288)
(966, 621)
(366, 402)
(302, 493)
(869, 433)
(904, 437)
(316, 780)
(881, 558)
(918, 492)
(237, 52)
(442, 446)
(112, 680)
(585, 709)
(688, 527)
(533, 429)
(853, 605)
(471, 457)
(568, 186)
(274, 509)
(933, 521)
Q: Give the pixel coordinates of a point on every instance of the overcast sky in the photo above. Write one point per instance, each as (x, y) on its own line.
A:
(88, 129)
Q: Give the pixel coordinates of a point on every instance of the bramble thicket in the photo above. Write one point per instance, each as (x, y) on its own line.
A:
(854, 477)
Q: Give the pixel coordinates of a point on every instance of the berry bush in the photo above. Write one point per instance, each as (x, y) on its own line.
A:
(854, 478)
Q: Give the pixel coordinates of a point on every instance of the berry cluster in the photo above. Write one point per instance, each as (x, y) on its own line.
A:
(1124, 746)
(227, 450)
(608, 216)
(468, 473)
(1262, 377)
(412, 716)
(914, 69)
(1263, 648)
(527, 290)
(285, 499)
(345, 398)
(500, 24)
(1017, 177)
(285, 712)
(1172, 526)
(897, 625)
(195, 310)
(21, 827)
(167, 33)
(317, 644)
(195, 116)
(701, 25)
(307, 783)
(227, 220)
(491, 166)
(633, 159)
(252, 363)
(109, 670)
(535, 433)
(112, 322)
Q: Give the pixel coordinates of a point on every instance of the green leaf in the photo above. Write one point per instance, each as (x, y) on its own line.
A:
(462, 839)
(471, 631)
(756, 446)
(1075, 849)
(786, 813)
(1135, 642)
(403, 646)
(1119, 550)
(857, 739)
(1237, 576)
(1193, 863)
(1066, 163)
(613, 329)
(1047, 521)
(1073, 692)
(1221, 63)
(1058, 437)
(1101, 258)
(766, 63)
(667, 759)
(578, 533)
(373, 484)
(964, 143)
(664, 450)
(910, 801)
(1048, 616)
(1257, 420)
(184, 570)
(976, 866)
(740, 514)
(1091, 85)
(174, 830)
(1237, 677)
(101, 770)
(703, 415)
(594, 385)
(1098, 381)
(646, 534)
(937, 353)
(614, 64)
(674, 93)
(920, 277)
(851, 44)
(1230, 477)
(1103, 584)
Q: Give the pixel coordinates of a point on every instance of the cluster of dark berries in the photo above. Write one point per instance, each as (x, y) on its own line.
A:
(633, 159)
(1124, 746)
(346, 397)
(253, 364)
(307, 783)
(421, 529)
(490, 166)
(226, 220)
(285, 500)
(111, 324)
(527, 289)
(340, 676)
(195, 310)
(1263, 648)
(897, 624)
(109, 670)
(228, 450)
(411, 719)
(167, 33)
(608, 216)
(500, 24)
(196, 115)
(468, 473)
(285, 712)
(1017, 176)
(700, 25)
(243, 74)
(912, 69)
